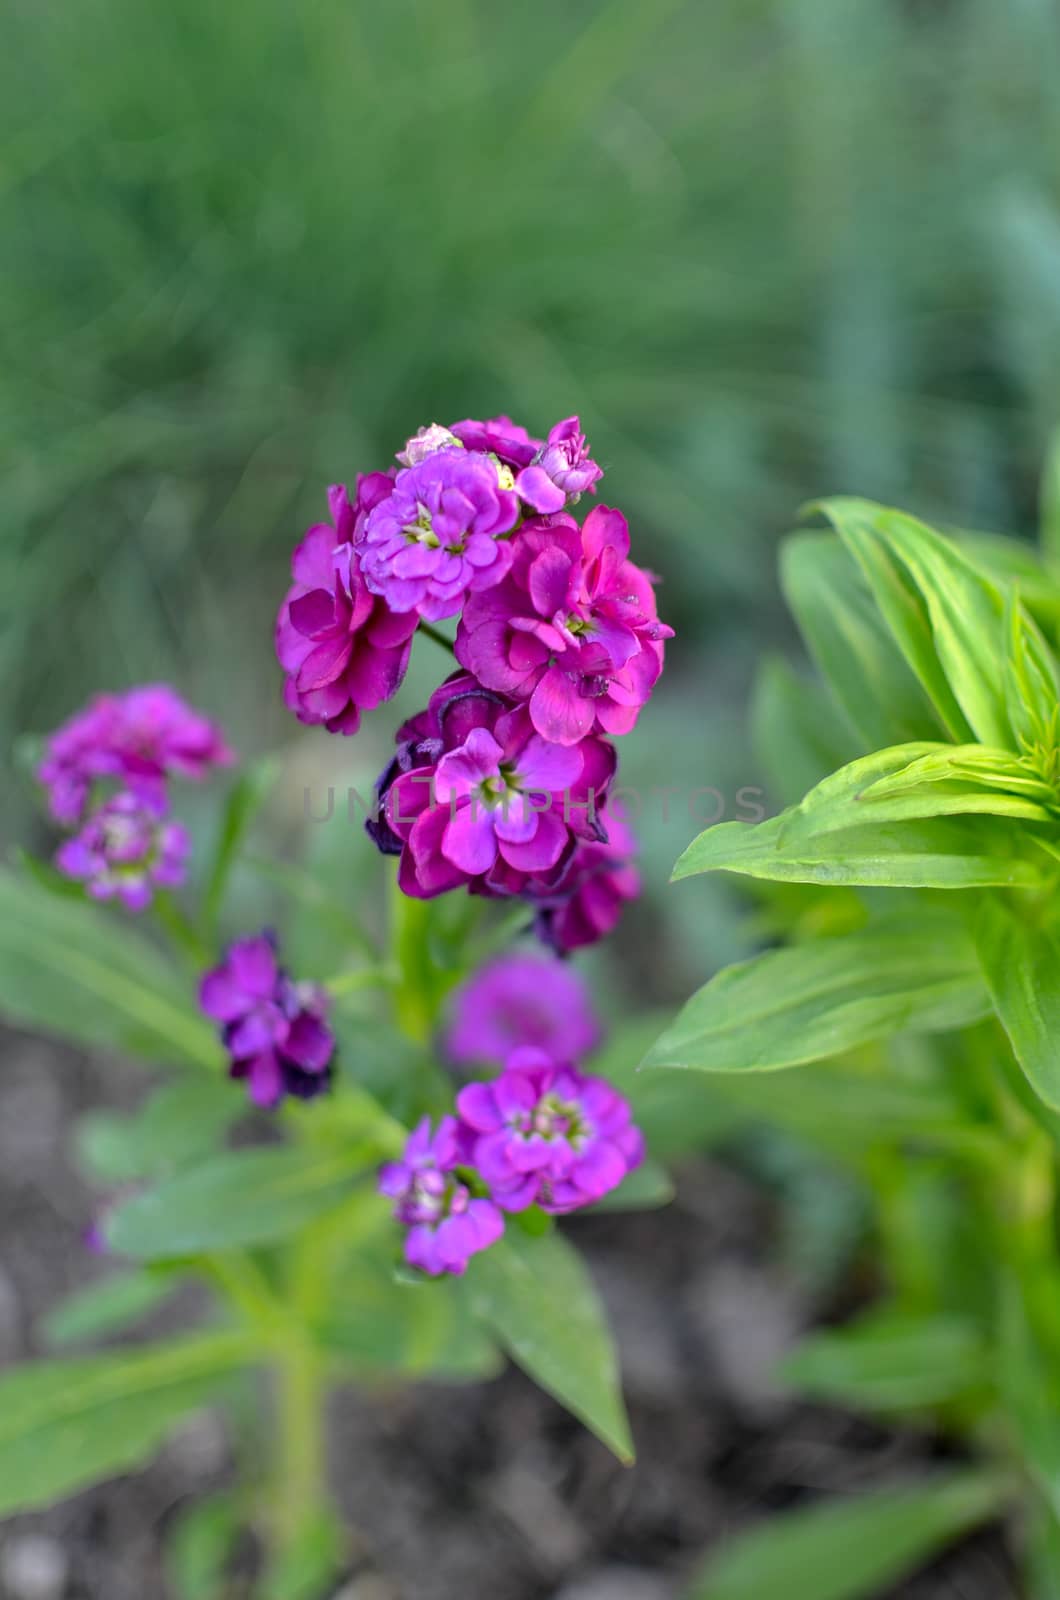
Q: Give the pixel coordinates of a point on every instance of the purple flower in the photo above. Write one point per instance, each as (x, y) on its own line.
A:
(435, 539)
(273, 1029)
(500, 437)
(343, 650)
(485, 800)
(544, 1132)
(446, 1225)
(583, 903)
(572, 629)
(522, 1000)
(138, 738)
(124, 851)
(561, 471)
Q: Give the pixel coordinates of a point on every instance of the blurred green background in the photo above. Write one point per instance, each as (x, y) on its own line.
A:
(766, 248)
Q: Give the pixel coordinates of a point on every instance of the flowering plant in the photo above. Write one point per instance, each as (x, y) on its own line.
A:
(433, 1100)
(917, 993)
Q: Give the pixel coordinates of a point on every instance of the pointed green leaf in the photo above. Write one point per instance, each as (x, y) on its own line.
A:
(850, 643)
(850, 1549)
(538, 1298)
(65, 1424)
(70, 969)
(181, 1122)
(941, 853)
(1021, 965)
(107, 1307)
(887, 1362)
(243, 1197)
(791, 1006)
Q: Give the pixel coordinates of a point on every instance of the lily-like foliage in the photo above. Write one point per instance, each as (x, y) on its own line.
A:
(916, 993)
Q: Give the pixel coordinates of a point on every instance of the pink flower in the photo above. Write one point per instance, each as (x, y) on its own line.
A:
(138, 739)
(561, 471)
(439, 535)
(545, 1133)
(484, 800)
(125, 851)
(343, 650)
(573, 628)
(500, 437)
(446, 1226)
(519, 999)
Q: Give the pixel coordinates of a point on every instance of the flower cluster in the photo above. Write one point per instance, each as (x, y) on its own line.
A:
(274, 1030)
(540, 1133)
(500, 785)
(106, 773)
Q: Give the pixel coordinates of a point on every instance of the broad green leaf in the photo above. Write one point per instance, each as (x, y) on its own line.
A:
(71, 969)
(850, 1549)
(199, 1549)
(243, 1197)
(1013, 564)
(107, 1307)
(889, 1362)
(379, 1322)
(796, 732)
(1030, 688)
(941, 853)
(249, 793)
(902, 610)
(180, 1123)
(1021, 965)
(850, 643)
(975, 624)
(538, 1298)
(914, 782)
(1029, 1389)
(65, 1424)
(791, 1006)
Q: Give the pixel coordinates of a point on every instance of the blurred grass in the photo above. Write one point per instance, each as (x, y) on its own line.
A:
(766, 248)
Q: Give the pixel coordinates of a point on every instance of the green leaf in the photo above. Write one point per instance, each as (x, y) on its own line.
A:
(1021, 965)
(791, 1006)
(200, 1547)
(1016, 566)
(1030, 687)
(70, 969)
(940, 853)
(107, 1307)
(888, 1362)
(1028, 1387)
(538, 1298)
(853, 1549)
(914, 782)
(307, 1568)
(249, 793)
(243, 1197)
(944, 614)
(379, 1323)
(851, 644)
(66, 1424)
(180, 1123)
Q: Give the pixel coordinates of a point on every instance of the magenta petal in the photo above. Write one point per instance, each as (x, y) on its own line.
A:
(469, 841)
(312, 613)
(557, 710)
(550, 581)
(549, 767)
(543, 850)
(478, 1108)
(464, 769)
(536, 487)
(252, 964)
(265, 1080)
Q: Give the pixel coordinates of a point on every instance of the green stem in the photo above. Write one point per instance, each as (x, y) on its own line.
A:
(362, 978)
(438, 636)
(414, 1005)
(182, 935)
(301, 1468)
